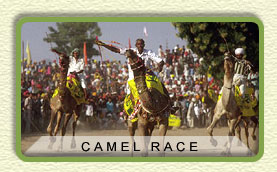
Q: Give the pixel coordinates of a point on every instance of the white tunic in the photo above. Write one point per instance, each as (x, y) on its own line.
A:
(147, 55)
(77, 66)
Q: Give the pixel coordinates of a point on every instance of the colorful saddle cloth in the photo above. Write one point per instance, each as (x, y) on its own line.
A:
(75, 89)
(132, 105)
(246, 104)
(237, 96)
(151, 80)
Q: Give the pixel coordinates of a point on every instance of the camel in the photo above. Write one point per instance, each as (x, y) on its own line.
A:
(227, 105)
(154, 105)
(63, 102)
(246, 121)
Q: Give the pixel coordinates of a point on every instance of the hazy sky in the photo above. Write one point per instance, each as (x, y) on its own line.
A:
(158, 34)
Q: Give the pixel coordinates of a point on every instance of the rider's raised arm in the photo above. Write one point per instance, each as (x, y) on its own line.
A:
(109, 47)
(57, 52)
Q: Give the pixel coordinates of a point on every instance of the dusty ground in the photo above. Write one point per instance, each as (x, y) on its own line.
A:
(28, 140)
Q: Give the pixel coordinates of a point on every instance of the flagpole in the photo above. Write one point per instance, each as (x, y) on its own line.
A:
(85, 53)
(99, 52)
(22, 57)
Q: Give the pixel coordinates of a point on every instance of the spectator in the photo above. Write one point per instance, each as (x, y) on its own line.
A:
(28, 105)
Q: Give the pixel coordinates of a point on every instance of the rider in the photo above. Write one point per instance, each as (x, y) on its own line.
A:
(147, 55)
(76, 67)
(242, 69)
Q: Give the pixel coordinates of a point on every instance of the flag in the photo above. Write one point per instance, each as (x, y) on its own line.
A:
(28, 54)
(145, 32)
(99, 50)
(129, 40)
(85, 53)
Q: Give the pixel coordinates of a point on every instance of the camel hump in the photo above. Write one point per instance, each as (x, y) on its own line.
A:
(158, 102)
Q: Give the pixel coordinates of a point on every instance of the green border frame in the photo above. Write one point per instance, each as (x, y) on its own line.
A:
(21, 21)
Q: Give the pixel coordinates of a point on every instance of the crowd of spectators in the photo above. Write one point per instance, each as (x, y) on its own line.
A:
(106, 88)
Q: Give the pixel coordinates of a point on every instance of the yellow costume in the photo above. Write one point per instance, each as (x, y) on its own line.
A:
(75, 89)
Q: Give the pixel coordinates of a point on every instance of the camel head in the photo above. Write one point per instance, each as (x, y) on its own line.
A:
(64, 61)
(132, 56)
(136, 63)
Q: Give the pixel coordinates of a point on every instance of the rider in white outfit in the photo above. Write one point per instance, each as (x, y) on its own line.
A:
(76, 66)
(242, 69)
(147, 55)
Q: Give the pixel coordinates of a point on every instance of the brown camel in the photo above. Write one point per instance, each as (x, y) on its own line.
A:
(63, 102)
(249, 99)
(246, 121)
(227, 105)
(154, 105)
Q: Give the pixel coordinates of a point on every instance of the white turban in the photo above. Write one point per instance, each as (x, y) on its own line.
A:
(239, 51)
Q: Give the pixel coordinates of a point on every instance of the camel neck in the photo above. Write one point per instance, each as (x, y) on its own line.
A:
(62, 82)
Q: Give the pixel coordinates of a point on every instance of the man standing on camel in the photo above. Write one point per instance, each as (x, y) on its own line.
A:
(76, 67)
(147, 55)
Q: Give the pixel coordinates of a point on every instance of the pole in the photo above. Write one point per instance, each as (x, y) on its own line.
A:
(22, 57)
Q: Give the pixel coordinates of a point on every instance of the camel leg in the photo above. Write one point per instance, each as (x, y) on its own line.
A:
(142, 129)
(66, 120)
(232, 124)
(231, 134)
(238, 130)
(59, 117)
(74, 124)
(76, 115)
(255, 120)
(216, 118)
(211, 116)
(150, 129)
(162, 132)
(132, 126)
(49, 128)
(246, 122)
(132, 130)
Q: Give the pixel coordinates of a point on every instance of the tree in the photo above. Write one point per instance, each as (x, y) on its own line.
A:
(70, 35)
(211, 40)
